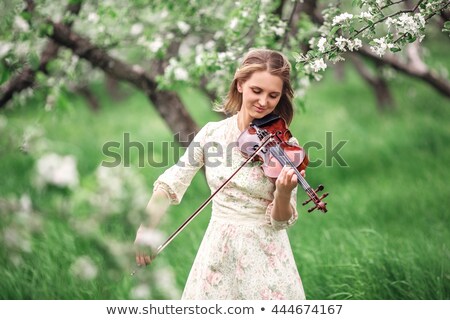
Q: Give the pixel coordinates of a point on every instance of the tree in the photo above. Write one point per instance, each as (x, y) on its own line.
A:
(156, 44)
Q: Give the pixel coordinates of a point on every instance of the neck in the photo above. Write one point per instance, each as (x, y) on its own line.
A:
(243, 120)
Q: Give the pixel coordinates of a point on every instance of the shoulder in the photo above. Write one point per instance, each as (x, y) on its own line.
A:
(218, 126)
(222, 130)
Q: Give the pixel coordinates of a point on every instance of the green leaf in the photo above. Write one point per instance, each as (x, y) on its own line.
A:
(296, 56)
(395, 49)
(45, 29)
(26, 15)
(446, 27)
(335, 29)
(411, 38)
(34, 60)
(40, 77)
(4, 73)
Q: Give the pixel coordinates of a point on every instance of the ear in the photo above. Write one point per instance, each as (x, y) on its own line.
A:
(239, 87)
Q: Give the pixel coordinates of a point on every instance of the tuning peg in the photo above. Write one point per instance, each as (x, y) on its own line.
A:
(324, 195)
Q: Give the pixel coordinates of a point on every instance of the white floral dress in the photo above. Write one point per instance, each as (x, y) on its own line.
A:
(244, 254)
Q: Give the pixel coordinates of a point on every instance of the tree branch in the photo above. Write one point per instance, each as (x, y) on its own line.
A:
(167, 103)
(442, 85)
(26, 77)
(432, 78)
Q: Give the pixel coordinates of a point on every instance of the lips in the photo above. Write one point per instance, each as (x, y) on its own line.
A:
(259, 109)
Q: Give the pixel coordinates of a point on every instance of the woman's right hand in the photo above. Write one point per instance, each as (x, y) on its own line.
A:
(146, 243)
(148, 238)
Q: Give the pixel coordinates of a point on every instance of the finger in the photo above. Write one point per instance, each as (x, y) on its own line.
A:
(147, 260)
(303, 173)
(294, 179)
(289, 174)
(137, 259)
(141, 260)
(287, 171)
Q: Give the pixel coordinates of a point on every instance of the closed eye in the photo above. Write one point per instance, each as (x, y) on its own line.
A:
(258, 91)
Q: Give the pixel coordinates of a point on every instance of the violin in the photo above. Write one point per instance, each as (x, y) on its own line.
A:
(277, 152)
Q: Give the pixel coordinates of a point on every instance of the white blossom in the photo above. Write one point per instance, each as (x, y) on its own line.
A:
(5, 47)
(26, 205)
(390, 22)
(341, 42)
(13, 238)
(21, 24)
(381, 47)
(210, 45)
(141, 291)
(233, 23)
(136, 29)
(57, 170)
(183, 26)
(156, 44)
(318, 65)
(199, 59)
(279, 31)
(342, 18)
(84, 268)
(180, 74)
(165, 280)
(355, 45)
(366, 15)
(321, 44)
(407, 23)
(225, 56)
(219, 34)
(110, 181)
(93, 17)
(262, 18)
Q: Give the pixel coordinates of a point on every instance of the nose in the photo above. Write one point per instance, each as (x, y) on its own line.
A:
(262, 101)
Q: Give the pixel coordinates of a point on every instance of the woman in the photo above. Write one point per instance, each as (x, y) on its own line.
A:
(245, 253)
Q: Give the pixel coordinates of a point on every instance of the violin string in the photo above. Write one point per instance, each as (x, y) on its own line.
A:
(281, 156)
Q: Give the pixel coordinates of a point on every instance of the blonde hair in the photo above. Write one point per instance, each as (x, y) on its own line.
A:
(262, 60)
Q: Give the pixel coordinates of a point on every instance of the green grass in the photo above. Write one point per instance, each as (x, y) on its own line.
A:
(385, 236)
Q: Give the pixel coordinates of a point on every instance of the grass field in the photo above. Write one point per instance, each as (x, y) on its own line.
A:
(386, 235)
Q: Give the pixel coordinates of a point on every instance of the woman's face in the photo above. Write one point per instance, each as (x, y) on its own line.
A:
(260, 95)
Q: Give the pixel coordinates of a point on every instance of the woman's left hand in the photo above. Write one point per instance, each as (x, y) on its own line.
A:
(287, 181)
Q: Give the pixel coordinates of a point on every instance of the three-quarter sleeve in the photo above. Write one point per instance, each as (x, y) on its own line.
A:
(176, 179)
(279, 225)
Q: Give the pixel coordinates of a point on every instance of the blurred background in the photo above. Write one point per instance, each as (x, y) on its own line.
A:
(98, 97)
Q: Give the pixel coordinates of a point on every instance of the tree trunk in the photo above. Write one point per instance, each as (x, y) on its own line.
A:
(377, 82)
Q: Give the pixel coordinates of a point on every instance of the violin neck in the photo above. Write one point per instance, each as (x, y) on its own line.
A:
(281, 156)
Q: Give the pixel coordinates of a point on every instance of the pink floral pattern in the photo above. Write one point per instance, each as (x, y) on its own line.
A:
(245, 254)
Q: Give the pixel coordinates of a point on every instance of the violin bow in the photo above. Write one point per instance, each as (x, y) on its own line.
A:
(205, 203)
